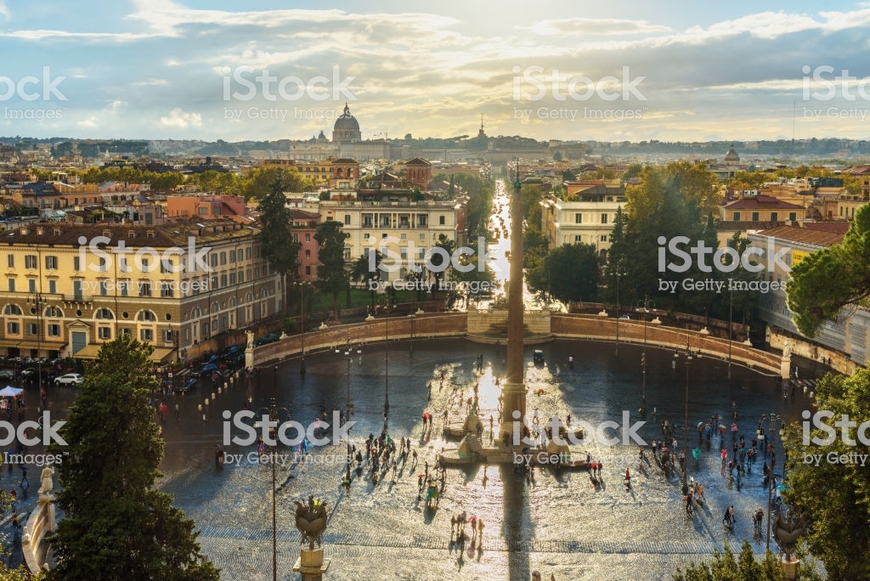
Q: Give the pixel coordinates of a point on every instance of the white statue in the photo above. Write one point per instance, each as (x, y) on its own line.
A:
(46, 482)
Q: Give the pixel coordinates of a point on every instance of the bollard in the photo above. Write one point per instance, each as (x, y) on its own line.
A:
(232, 380)
(225, 385)
(199, 408)
(203, 417)
(212, 397)
(206, 401)
(219, 390)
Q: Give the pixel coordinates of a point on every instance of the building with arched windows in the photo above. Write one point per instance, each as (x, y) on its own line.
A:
(68, 289)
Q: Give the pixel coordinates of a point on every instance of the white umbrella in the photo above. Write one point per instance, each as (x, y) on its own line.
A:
(10, 391)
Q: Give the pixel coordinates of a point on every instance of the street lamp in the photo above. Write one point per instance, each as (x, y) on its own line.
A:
(386, 368)
(687, 353)
(730, 319)
(38, 301)
(302, 325)
(411, 344)
(349, 356)
(617, 309)
(643, 367)
(274, 416)
(772, 419)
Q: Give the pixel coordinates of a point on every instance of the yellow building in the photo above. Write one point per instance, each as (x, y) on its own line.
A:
(68, 289)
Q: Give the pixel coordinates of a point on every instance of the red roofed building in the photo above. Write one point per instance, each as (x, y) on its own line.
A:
(761, 209)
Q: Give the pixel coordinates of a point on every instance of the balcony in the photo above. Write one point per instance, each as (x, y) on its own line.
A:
(77, 298)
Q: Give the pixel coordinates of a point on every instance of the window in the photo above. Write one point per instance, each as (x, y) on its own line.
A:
(421, 221)
(144, 288)
(77, 263)
(578, 239)
(166, 289)
(146, 265)
(604, 238)
(13, 328)
(792, 216)
(12, 310)
(104, 333)
(53, 330)
(53, 312)
(307, 254)
(165, 266)
(308, 236)
(366, 236)
(774, 216)
(755, 216)
(223, 280)
(146, 316)
(248, 253)
(168, 336)
(146, 334)
(736, 217)
(103, 314)
(30, 261)
(214, 260)
(51, 262)
(214, 281)
(104, 288)
(233, 255)
(31, 285)
(52, 286)
(578, 218)
(10, 260)
(442, 220)
(223, 258)
(11, 282)
(241, 276)
(347, 219)
(104, 265)
(32, 329)
(604, 218)
(308, 270)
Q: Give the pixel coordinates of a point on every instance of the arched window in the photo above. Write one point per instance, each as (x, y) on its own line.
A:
(53, 312)
(103, 313)
(146, 316)
(12, 310)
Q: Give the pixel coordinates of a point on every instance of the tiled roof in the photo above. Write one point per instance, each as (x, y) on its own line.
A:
(807, 236)
(761, 203)
(157, 236)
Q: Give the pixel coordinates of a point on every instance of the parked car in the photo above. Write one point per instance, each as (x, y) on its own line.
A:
(538, 357)
(7, 374)
(29, 372)
(69, 379)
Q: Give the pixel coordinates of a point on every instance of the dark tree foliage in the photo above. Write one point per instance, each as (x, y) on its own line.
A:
(812, 298)
(568, 273)
(116, 525)
(276, 235)
(332, 276)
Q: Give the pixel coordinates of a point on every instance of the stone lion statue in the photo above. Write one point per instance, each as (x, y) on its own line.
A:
(311, 520)
(786, 530)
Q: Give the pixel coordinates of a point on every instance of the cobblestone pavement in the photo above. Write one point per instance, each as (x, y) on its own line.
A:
(556, 522)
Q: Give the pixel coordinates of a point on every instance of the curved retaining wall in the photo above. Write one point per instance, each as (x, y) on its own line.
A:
(590, 327)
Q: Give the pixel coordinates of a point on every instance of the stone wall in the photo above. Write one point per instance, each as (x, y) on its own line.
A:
(41, 522)
(495, 322)
(372, 331)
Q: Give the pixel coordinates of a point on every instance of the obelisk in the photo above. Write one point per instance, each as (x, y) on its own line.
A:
(514, 390)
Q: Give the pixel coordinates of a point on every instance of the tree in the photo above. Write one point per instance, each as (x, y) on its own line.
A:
(256, 183)
(362, 271)
(439, 262)
(745, 567)
(812, 298)
(116, 525)
(834, 498)
(332, 277)
(568, 273)
(276, 234)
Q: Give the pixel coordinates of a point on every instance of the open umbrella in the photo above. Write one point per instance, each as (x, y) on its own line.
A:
(10, 391)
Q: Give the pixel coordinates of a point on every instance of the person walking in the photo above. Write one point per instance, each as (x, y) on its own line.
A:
(24, 480)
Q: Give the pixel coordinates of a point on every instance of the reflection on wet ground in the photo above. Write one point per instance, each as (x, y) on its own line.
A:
(556, 522)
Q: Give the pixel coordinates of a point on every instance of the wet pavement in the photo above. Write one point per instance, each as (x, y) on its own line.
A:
(556, 523)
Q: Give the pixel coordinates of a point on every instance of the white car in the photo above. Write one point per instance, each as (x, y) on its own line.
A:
(69, 379)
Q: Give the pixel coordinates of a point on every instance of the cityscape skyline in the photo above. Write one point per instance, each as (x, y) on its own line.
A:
(167, 70)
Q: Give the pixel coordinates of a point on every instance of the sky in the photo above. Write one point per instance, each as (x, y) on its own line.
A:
(549, 69)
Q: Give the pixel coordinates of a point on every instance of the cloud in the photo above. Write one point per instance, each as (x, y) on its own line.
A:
(4, 11)
(178, 118)
(600, 26)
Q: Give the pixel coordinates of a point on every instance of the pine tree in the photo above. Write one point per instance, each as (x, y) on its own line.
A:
(116, 525)
(276, 234)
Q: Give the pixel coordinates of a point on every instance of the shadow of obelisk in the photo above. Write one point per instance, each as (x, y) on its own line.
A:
(514, 390)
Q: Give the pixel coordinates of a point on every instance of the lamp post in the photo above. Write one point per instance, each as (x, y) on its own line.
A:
(687, 353)
(643, 366)
(730, 318)
(38, 301)
(274, 416)
(349, 356)
(386, 368)
(411, 344)
(617, 309)
(302, 325)
(772, 419)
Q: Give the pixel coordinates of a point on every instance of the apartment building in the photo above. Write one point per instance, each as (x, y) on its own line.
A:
(408, 229)
(67, 289)
(586, 213)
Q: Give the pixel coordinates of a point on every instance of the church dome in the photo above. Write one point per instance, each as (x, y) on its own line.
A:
(732, 155)
(346, 128)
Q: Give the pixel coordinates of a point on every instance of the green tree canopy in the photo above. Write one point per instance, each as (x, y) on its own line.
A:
(567, 273)
(116, 525)
(279, 248)
(834, 498)
(741, 567)
(812, 298)
(332, 276)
